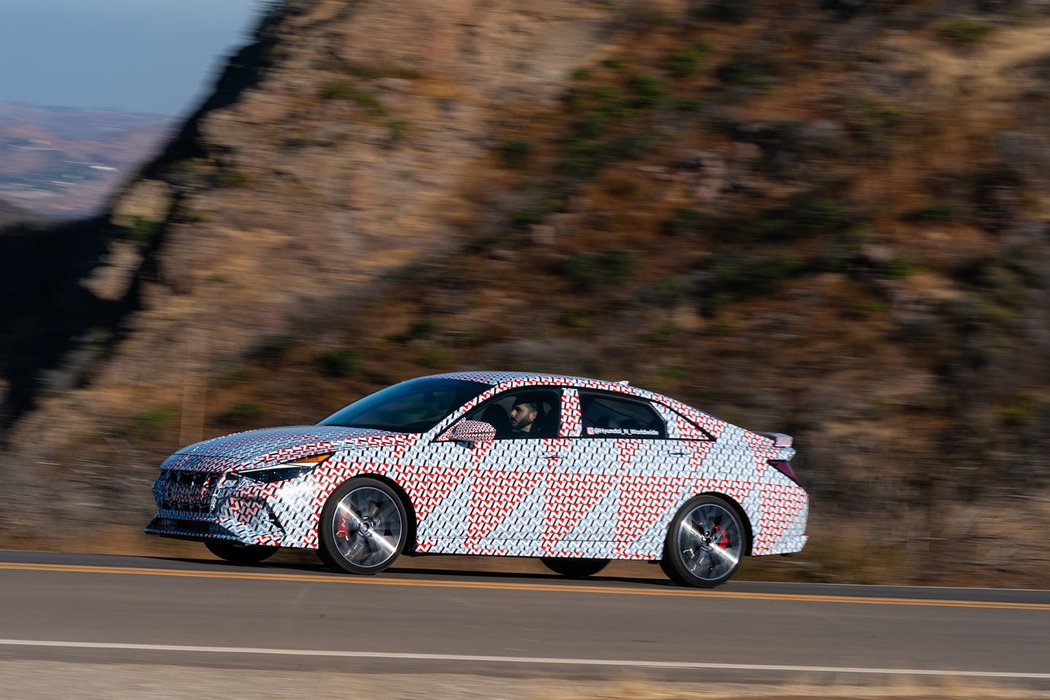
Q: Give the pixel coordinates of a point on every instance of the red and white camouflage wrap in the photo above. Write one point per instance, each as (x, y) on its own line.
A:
(566, 496)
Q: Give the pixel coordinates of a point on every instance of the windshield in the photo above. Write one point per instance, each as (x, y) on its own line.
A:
(414, 406)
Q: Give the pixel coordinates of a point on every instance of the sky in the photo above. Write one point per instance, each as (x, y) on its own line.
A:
(155, 56)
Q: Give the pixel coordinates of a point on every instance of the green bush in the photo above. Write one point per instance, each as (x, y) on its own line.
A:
(937, 213)
(809, 214)
(423, 328)
(150, 424)
(900, 267)
(241, 414)
(340, 362)
(964, 32)
(589, 271)
(734, 278)
(436, 357)
(875, 124)
(342, 90)
(749, 70)
(648, 90)
(686, 62)
(577, 319)
(683, 222)
(144, 231)
(232, 178)
(515, 153)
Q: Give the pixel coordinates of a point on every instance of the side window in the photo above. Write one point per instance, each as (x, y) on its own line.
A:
(522, 413)
(613, 416)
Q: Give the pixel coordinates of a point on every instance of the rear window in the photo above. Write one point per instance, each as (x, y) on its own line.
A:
(604, 415)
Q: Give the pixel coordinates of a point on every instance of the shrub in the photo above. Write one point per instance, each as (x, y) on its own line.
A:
(396, 128)
(232, 178)
(735, 278)
(686, 62)
(589, 271)
(423, 328)
(900, 267)
(937, 213)
(515, 153)
(964, 32)
(241, 413)
(649, 91)
(577, 319)
(749, 70)
(436, 357)
(340, 362)
(342, 90)
(150, 424)
(144, 231)
(365, 72)
(812, 213)
(683, 222)
(875, 124)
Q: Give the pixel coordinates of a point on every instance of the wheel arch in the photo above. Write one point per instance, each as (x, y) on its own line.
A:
(741, 513)
(410, 543)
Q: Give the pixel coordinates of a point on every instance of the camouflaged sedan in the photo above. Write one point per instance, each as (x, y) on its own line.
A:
(574, 471)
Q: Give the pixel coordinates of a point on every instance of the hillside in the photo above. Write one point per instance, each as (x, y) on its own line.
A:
(828, 219)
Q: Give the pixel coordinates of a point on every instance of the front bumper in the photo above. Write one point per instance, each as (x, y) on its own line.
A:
(201, 505)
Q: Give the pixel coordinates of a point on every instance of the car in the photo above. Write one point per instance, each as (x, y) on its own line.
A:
(574, 471)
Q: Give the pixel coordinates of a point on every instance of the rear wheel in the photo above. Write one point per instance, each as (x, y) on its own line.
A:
(363, 527)
(237, 553)
(574, 568)
(705, 543)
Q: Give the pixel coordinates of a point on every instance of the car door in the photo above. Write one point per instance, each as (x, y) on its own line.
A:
(507, 476)
(620, 476)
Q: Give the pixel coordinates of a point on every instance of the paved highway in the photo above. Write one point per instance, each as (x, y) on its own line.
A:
(91, 609)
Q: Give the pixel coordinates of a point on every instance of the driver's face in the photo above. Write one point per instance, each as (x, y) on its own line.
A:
(522, 416)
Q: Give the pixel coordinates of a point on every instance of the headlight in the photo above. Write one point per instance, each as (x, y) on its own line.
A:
(288, 470)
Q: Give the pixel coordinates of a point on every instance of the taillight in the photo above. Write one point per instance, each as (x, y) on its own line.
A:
(784, 467)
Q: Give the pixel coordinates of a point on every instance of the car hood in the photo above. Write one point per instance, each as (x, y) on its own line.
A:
(274, 446)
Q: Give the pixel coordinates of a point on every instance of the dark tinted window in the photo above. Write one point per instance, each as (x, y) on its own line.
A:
(604, 415)
(414, 406)
(522, 413)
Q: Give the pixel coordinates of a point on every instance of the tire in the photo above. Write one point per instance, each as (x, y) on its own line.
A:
(705, 543)
(237, 553)
(363, 528)
(574, 568)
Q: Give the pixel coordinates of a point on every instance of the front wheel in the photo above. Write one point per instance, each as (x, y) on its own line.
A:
(704, 544)
(363, 527)
(574, 568)
(237, 553)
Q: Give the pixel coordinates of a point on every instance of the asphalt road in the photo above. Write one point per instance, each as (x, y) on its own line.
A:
(104, 609)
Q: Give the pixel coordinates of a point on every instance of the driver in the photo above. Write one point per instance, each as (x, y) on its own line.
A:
(522, 417)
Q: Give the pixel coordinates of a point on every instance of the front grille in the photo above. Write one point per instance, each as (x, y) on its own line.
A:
(186, 491)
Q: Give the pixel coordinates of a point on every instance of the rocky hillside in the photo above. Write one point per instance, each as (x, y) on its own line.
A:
(826, 218)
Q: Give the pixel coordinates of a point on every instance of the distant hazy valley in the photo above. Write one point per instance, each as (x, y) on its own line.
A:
(67, 162)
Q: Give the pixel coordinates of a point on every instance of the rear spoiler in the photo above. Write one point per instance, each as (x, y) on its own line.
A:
(779, 439)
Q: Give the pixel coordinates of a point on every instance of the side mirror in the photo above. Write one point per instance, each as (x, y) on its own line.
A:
(471, 431)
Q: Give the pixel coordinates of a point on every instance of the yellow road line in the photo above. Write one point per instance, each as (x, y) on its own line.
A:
(507, 586)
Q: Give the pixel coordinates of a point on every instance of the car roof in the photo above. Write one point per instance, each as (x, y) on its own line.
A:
(494, 378)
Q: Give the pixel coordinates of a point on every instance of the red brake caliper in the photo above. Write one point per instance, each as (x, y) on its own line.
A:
(342, 528)
(723, 542)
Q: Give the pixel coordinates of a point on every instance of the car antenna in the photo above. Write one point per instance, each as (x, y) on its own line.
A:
(624, 382)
